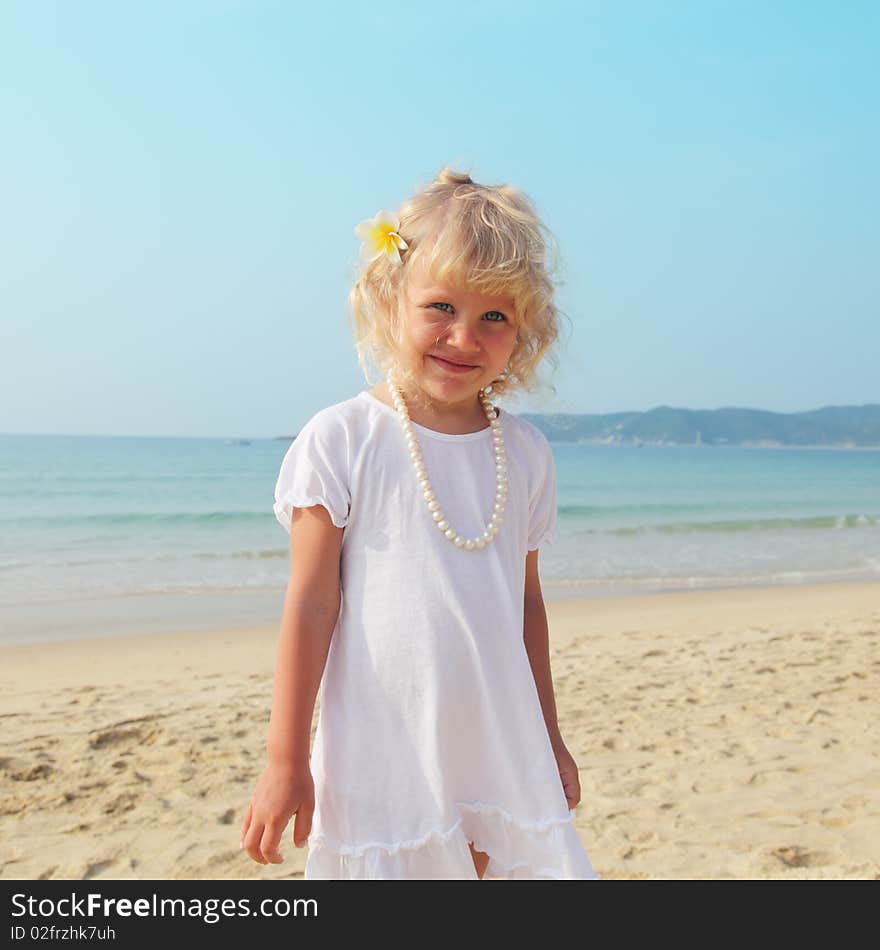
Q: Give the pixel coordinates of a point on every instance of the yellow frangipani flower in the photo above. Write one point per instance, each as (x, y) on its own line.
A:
(380, 236)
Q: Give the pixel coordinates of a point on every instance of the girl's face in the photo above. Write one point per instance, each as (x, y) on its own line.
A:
(450, 323)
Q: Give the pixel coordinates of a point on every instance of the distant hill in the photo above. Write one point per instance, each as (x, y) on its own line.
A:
(830, 427)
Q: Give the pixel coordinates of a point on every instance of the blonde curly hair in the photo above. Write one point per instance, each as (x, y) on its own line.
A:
(486, 237)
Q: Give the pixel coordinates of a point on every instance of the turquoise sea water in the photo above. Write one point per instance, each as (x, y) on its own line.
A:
(103, 536)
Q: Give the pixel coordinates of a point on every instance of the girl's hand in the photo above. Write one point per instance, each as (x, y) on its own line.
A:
(568, 774)
(281, 791)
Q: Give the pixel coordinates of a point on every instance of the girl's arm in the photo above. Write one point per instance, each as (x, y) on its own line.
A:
(537, 642)
(311, 608)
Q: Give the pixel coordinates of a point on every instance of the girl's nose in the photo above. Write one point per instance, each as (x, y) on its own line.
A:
(463, 338)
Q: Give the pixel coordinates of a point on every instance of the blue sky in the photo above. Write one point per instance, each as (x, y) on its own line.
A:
(180, 181)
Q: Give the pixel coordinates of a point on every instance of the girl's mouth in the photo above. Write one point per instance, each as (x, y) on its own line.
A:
(451, 367)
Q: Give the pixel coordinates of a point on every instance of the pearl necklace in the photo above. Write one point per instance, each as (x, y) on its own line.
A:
(415, 453)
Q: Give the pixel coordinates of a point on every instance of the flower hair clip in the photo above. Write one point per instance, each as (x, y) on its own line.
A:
(379, 235)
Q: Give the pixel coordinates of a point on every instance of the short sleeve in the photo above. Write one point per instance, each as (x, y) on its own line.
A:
(314, 471)
(542, 504)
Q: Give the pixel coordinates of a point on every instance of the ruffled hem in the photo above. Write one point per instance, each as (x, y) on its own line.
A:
(518, 850)
(545, 540)
(283, 509)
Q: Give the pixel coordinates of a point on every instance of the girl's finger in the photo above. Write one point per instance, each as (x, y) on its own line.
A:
(302, 825)
(252, 843)
(247, 823)
(269, 844)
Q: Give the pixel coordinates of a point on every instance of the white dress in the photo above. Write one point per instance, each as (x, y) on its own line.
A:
(430, 732)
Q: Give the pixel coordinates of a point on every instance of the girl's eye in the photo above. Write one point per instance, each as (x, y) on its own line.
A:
(498, 312)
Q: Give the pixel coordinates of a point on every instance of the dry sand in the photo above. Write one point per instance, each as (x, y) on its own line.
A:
(720, 734)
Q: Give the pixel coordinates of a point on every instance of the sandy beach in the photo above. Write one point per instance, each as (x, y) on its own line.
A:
(720, 734)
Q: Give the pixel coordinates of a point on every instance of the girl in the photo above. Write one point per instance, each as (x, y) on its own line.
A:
(415, 512)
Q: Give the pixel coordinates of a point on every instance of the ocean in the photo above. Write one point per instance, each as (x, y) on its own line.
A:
(109, 536)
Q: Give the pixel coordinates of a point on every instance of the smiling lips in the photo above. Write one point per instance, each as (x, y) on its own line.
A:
(452, 366)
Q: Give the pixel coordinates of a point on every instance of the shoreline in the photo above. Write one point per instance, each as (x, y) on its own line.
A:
(564, 614)
(164, 613)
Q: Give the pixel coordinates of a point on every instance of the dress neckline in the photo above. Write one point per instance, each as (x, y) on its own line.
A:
(433, 433)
